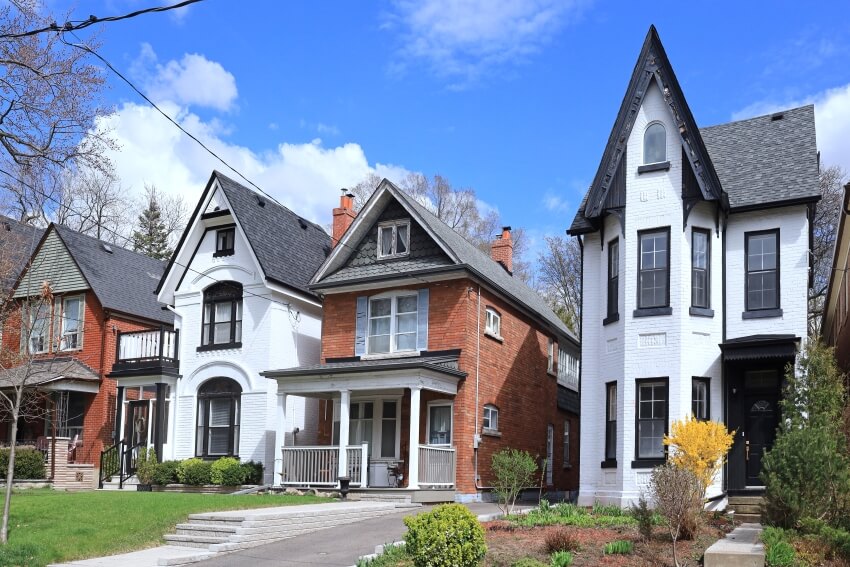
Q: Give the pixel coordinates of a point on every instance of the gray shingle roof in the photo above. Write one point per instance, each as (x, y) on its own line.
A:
(761, 160)
(44, 371)
(122, 280)
(447, 364)
(17, 243)
(289, 248)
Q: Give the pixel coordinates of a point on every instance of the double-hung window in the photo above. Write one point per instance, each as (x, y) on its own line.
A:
(613, 279)
(700, 262)
(611, 421)
(491, 418)
(762, 270)
(394, 239)
(651, 418)
(35, 334)
(71, 332)
(440, 423)
(567, 370)
(550, 356)
(218, 418)
(224, 241)
(654, 273)
(493, 322)
(566, 444)
(392, 324)
(222, 326)
(700, 407)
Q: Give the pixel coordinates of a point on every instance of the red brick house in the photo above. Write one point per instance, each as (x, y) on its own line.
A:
(100, 292)
(433, 358)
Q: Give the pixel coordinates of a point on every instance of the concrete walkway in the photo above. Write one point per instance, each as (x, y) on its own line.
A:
(741, 548)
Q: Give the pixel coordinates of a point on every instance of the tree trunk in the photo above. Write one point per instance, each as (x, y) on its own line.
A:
(10, 471)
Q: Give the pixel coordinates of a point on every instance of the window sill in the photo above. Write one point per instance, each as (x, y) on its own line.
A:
(221, 253)
(567, 467)
(609, 464)
(701, 312)
(393, 256)
(552, 373)
(660, 166)
(491, 432)
(224, 346)
(647, 463)
(612, 318)
(652, 311)
(384, 355)
(761, 314)
(497, 338)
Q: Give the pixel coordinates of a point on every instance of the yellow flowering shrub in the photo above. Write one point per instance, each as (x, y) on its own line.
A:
(700, 447)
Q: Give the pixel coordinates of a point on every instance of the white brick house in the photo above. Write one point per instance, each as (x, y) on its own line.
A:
(695, 273)
(237, 284)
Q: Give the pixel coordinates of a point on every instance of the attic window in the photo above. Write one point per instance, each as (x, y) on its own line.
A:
(394, 239)
(224, 238)
(655, 144)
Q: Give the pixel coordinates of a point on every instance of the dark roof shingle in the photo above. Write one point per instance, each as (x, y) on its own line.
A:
(17, 243)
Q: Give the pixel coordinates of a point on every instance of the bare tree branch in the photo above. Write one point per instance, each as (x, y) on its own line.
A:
(825, 228)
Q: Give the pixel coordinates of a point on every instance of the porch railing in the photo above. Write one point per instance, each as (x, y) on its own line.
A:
(437, 466)
(319, 465)
(147, 346)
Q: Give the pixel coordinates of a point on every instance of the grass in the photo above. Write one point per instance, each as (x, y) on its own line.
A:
(48, 526)
(393, 556)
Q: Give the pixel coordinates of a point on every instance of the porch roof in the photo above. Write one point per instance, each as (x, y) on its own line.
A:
(760, 347)
(442, 362)
(62, 373)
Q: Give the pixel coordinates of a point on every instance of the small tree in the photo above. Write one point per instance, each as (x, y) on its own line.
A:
(151, 236)
(678, 498)
(700, 447)
(514, 470)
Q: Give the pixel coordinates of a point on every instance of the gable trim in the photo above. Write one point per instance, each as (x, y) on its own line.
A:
(29, 265)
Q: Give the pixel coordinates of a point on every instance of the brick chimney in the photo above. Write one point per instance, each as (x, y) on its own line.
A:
(502, 250)
(343, 216)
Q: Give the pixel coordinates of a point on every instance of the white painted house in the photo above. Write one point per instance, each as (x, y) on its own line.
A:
(237, 284)
(695, 273)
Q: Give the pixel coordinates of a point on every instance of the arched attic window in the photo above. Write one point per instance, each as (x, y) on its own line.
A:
(222, 316)
(218, 418)
(655, 143)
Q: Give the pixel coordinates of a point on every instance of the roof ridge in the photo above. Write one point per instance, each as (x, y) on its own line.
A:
(760, 116)
(102, 242)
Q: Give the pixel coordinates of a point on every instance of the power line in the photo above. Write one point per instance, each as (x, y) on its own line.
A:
(74, 25)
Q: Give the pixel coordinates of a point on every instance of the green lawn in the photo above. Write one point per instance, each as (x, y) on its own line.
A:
(48, 526)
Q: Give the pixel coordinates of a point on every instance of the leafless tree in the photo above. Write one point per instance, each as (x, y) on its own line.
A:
(825, 228)
(93, 202)
(48, 108)
(173, 208)
(676, 493)
(559, 278)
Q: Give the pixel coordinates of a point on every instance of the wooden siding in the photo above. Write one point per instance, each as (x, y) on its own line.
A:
(53, 263)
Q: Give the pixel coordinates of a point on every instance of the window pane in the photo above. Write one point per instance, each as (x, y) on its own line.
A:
(220, 412)
(379, 344)
(614, 255)
(406, 304)
(380, 307)
(406, 323)
(368, 410)
(205, 337)
(238, 337)
(654, 144)
(401, 239)
(219, 441)
(386, 240)
(650, 439)
(354, 411)
(441, 428)
(221, 333)
(222, 311)
(379, 326)
(406, 342)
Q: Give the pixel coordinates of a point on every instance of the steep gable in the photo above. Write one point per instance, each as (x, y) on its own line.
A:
(53, 263)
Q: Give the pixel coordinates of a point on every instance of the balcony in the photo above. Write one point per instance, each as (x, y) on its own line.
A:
(146, 353)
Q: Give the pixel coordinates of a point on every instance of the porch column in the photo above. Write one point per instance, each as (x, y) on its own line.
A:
(344, 403)
(119, 411)
(159, 425)
(413, 451)
(279, 436)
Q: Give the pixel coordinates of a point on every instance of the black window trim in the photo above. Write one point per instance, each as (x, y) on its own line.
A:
(225, 251)
(613, 315)
(235, 401)
(707, 307)
(764, 311)
(610, 462)
(707, 381)
(640, 463)
(665, 309)
(234, 297)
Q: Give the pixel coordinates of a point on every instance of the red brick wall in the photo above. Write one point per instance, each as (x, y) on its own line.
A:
(512, 376)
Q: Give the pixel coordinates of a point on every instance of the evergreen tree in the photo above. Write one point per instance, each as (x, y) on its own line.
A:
(151, 237)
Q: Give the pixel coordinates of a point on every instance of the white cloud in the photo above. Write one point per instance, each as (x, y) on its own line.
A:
(328, 129)
(832, 120)
(461, 39)
(555, 203)
(194, 80)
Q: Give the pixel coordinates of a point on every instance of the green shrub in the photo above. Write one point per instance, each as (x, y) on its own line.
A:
(29, 464)
(448, 536)
(528, 562)
(513, 470)
(227, 471)
(391, 556)
(253, 472)
(562, 559)
(194, 472)
(146, 465)
(165, 473)
(780, 554)
(771, 535)
(561, 539)
(838, 541)
(644, 516)
(618, 547)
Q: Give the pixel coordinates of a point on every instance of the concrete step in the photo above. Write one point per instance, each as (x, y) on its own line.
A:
(206, 530)
(201, 542)
(378, 497)
(745, 500)
(741, 548)
(748, 518)
(745, 508)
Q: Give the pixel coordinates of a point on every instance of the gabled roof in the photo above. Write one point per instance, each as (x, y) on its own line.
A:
(41, 372)
(122, 280)
(288, 247)
(768, 159)
(462, 253)
(17, 243)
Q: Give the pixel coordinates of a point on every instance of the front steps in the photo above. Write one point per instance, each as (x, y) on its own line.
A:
(229, 531)
(129, 484)
(746, 508)
(741, 548)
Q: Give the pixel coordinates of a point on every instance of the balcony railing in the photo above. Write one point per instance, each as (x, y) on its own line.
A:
(437, 466)
(318, 465)
(146, 349)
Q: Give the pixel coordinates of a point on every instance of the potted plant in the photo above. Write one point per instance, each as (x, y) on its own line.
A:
(145, 468)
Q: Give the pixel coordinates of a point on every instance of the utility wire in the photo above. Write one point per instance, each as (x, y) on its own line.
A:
(73, 25)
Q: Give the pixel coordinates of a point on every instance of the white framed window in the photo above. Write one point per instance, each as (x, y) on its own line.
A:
(655, 143)
(71, 330)
(393, 322)
(568, 367)
(394, 239)
(374, 421)
(550, 356)
(491, 418)
(567, 463)
(439, 424)
(493, 323)
(35, 332)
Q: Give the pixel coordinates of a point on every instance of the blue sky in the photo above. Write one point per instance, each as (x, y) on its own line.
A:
(514, 99)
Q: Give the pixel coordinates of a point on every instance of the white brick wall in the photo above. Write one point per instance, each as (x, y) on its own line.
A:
(682, 346)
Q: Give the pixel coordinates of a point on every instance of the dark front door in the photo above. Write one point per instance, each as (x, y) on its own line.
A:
(136, 432)
(759, 432)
